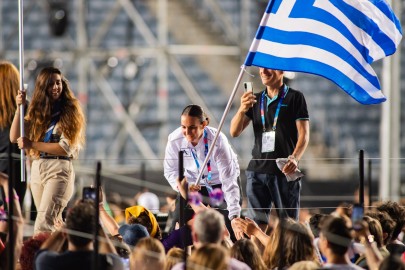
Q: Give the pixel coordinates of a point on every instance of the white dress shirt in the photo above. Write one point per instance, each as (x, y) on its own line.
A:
(223, 160)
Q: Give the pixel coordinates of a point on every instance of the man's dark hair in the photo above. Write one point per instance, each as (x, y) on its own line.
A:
(80, 219)
(392, 262)
(337, 234)
(314, 221)
(397, 213)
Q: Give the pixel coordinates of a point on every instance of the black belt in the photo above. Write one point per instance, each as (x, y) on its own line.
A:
(55, 157)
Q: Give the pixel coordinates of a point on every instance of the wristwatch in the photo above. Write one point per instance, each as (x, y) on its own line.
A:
(233, 217)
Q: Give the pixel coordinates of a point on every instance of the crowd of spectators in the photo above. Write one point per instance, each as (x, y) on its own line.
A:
(323, 241)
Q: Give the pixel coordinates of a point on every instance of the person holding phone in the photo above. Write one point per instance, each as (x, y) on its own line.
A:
(194, 138)
(280, 122)
(54, 134)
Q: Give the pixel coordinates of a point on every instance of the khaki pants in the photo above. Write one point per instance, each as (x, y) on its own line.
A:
(52, 183)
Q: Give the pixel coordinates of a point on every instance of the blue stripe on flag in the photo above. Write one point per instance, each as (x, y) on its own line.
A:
(317, 68)
(385, 8)
(365, 23)
(296, 34)
(304, 38)
(321, 15)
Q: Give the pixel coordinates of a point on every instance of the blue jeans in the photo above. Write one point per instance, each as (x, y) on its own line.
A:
(264, 189)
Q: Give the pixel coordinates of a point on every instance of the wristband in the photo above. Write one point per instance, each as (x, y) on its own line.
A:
(367, 241)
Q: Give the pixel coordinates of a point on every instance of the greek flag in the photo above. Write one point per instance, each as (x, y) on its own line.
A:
(336, 39)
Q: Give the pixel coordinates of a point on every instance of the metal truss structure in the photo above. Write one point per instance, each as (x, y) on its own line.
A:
(84, 57)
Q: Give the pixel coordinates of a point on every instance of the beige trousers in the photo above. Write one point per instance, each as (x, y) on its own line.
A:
(52, 184)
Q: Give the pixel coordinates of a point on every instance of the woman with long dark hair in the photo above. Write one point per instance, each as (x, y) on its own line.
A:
(54, 134)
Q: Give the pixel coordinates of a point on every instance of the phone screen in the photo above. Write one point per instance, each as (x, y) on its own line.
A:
(89, 193)
(357, 216)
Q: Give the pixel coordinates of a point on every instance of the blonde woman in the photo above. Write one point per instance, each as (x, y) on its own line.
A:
(209, 256)
(54, 134)
(173, 257)
(148, 254)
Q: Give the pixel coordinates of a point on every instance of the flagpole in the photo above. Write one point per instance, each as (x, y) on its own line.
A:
(21, 54)
(221, 123)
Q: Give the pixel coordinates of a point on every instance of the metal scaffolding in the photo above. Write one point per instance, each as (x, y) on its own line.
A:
(84, 50)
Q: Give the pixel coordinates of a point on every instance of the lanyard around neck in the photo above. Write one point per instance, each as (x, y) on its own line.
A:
(209, 176)
(49, 131)
(262, 108)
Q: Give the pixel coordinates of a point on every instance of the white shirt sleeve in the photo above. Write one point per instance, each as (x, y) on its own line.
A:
(170, 164)
(72, 151)
(228, 174)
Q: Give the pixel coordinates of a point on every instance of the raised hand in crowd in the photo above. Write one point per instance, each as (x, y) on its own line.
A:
(252, 229)
(373, 255)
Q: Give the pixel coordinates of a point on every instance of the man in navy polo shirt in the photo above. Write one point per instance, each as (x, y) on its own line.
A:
(281, 128)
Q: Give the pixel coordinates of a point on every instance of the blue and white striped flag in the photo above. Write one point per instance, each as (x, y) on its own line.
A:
(336, 39)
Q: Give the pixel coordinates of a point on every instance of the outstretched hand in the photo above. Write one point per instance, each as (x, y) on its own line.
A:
(237, 229)
(248, 226)
(183, 186)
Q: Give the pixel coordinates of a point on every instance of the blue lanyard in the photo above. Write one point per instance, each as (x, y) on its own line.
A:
(49, 131)
(262, 107)
(209, 176)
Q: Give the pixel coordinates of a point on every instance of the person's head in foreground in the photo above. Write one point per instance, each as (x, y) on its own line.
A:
(173, 257)
(335, 239)
(148, 254)
(208, 228)
(245, 250)
(208, 256)
(80, 218)
(140, 215)
(291, 243)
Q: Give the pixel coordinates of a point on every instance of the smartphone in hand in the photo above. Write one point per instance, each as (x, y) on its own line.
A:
(248, 86)
(89, 193)
(357, 216)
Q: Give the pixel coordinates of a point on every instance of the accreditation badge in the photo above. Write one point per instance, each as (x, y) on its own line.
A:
(268, 141)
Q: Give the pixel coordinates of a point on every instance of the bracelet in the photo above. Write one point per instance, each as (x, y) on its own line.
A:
(15, 197)
(367, 241)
